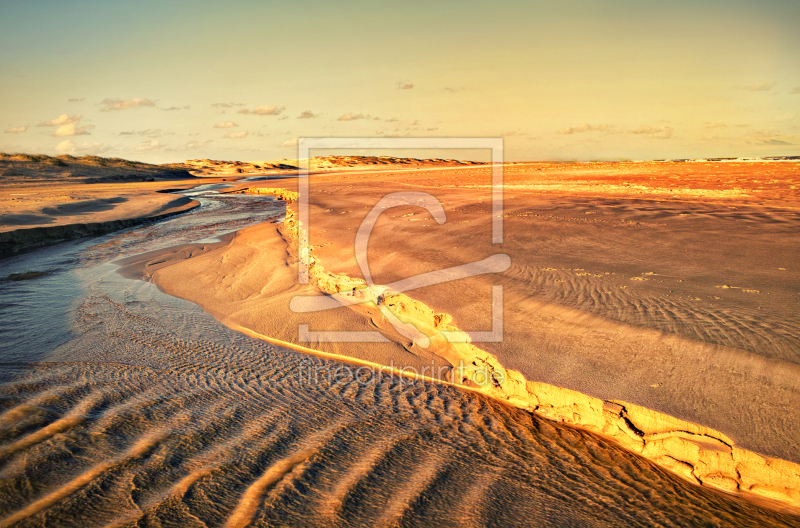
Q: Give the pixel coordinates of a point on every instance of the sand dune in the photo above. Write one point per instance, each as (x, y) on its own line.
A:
(217, 168)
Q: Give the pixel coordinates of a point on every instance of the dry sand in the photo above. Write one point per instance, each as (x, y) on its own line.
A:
(671, 287)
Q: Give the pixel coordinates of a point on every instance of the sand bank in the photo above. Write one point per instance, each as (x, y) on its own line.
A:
(48, 200)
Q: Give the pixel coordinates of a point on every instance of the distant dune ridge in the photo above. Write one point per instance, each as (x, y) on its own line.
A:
(207, 168)
(38, 168)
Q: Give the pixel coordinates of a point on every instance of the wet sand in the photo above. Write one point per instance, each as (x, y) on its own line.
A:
(665, 286)
(46, 200)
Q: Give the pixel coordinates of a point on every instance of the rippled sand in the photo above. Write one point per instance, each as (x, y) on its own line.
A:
(123, 406)
(155, 414)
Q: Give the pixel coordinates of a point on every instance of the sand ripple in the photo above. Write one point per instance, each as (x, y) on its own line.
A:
(177, 420)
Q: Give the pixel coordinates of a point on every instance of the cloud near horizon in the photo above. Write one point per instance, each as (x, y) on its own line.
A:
(760, 86)
(150, 132)
(307, 114)
(663, 132)
(356, 117)
(75, 99)
(226, 124)
(773, 142)
(236, 135)
(584, 128)
(16, 130)
(124, 104)
(264, 110)
(66, 125)
(191, 145)
(289, 143)
(405, 85)
(148, 145)
(226, 105)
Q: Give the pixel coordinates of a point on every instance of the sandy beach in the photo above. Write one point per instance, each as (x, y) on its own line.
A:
(646, 326)
(486, 264)
(668, 289)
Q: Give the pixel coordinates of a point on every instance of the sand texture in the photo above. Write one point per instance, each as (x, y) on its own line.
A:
(652, 303)
(49, 200)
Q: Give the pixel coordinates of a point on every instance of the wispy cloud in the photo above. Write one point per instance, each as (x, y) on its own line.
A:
(289, 143)
(75, 99)
(173, 108)
(786, 117)
(760, 86)
(150, 132)
(236, 135)
(226, 105)
(714, 125)
(147, 146)
(191, 145)
(356, 117)
(226, 124)
(765, 132)
(795, 90)
(584, 128)
(404, 85)
(773, 142)
(66, 125)
(16, 130)
(264, 110)
(307, 114)
(124, 104)
(662, 132)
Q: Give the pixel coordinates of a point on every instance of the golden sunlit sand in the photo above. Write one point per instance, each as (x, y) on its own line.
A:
(416, 264)
(619, 317)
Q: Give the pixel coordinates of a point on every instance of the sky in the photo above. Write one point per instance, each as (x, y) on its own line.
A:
(166, 81)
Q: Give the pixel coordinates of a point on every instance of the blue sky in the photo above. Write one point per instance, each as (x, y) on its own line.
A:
(168, 81)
